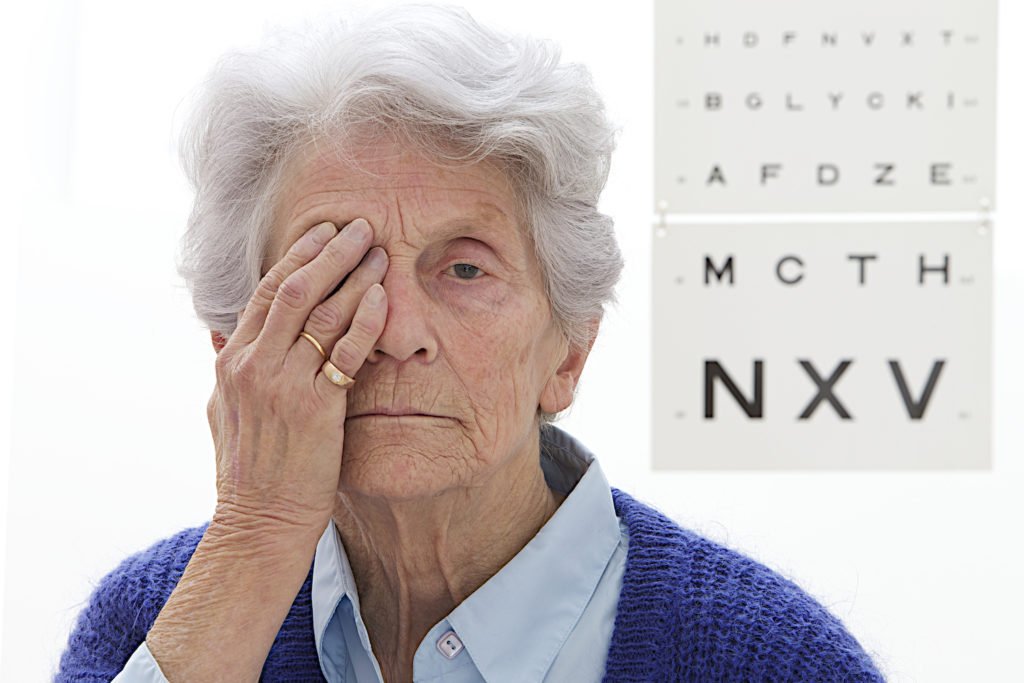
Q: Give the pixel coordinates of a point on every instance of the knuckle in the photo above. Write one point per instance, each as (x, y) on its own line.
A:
(267, 288)
(325, 317)
(366, 324)
(222, 362)
(343, 255)
(246, 372)
(346, 354)
(295, 290)
(225, 371)
(309, 404)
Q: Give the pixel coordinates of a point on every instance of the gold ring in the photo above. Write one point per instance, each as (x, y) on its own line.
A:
(319, 348)
(337, 376)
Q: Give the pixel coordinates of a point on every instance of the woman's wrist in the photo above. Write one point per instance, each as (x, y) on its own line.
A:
(226, 610)
(263, 525)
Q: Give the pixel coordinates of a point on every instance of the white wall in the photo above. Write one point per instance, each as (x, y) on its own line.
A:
(111, 371)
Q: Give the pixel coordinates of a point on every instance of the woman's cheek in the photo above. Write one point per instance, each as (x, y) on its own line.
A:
(483, 299)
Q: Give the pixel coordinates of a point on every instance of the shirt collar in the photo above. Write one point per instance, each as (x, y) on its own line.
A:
(535, 600)
(518, 620)
(332, 580)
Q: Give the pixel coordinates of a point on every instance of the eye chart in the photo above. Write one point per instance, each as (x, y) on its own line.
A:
(824, 173)
(824, 105)
(822, 346)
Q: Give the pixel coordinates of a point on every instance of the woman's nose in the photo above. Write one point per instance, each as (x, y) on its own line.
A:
(408, 329)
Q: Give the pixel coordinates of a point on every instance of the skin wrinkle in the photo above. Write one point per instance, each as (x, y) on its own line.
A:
(309, 203)
(428, 510)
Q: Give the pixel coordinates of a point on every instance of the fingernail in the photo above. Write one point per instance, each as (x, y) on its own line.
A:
(377, 257)
(375, 295)
(357, 230)
(323, 233)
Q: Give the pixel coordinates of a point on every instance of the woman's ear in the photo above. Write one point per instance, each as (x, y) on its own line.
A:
(218, 340)
(557, 395)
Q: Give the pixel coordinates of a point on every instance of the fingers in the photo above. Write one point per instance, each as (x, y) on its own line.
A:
(302, 252)
(306, 287)
(351, 350)
(328, 321)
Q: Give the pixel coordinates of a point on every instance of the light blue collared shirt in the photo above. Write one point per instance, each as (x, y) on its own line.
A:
(546, 616)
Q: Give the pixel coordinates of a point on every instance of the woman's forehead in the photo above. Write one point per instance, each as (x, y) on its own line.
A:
(405, 197)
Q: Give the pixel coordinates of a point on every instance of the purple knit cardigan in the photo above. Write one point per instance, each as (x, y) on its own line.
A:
(689, 610)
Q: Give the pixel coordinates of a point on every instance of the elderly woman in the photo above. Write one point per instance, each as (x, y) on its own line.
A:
(396, 241)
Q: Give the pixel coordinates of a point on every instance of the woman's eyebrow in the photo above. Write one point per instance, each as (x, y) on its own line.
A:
(487, 220)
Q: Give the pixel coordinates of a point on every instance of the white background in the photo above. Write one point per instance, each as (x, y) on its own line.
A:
(109, 370)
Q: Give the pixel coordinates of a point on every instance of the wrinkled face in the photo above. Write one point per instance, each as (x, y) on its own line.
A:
(468, 335)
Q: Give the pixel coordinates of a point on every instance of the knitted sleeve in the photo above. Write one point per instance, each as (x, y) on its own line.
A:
(697, 611)
(744, 622)
(122, 608)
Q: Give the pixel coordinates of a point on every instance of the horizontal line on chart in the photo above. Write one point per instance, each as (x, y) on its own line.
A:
(874, 217)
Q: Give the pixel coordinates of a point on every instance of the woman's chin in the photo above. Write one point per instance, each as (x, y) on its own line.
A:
(396, 471)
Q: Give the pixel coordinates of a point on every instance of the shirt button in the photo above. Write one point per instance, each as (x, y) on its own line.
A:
(449, 645)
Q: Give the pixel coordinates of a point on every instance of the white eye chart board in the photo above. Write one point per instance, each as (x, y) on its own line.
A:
(824, 105)
(848, 346)
(822, 283)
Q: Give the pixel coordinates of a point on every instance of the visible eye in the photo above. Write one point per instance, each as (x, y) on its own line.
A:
(465, 269)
